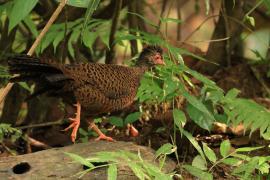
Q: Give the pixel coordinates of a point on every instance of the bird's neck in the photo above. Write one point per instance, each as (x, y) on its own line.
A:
(144, 68)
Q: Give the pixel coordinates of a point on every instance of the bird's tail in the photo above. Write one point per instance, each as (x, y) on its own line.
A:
(47, 76)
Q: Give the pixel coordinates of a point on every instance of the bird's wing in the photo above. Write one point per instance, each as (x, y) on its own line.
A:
(113, 81)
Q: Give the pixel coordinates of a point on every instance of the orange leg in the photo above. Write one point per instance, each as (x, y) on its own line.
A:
(132, 130)
(101, 136)
(75, 122)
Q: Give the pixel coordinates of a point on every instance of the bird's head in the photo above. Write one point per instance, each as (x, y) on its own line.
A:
(150, 56)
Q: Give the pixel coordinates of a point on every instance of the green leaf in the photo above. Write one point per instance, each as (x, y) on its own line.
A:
(200, 118)
(143, 18)
(263, 165)
(179, 117)
(247, 168)
(47, 40)
(104, 157)
(233, 93)
(200, 77)
(92, 6)
(200, 107)
(131, 118)
(165, 149)
(7, 129)
(198, 172)
(31, 25)
(210, 154)
(251, 20)
(248, 149)
(83, 132)
(6, 8)
(112, 172)
(104, 36)
(193, 141)
(80, 159)
(267, 4)
(73, 38)
(4, 72)
(241, 156)
(232, 161)
(225, 147)
(58, 38)
(117, 121)
(19, 11)
(26, 86)
(198, 162)
(77, 3)
(137, 170)
(89, 38)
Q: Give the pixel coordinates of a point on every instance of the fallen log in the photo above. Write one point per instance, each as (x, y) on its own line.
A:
(55, 164)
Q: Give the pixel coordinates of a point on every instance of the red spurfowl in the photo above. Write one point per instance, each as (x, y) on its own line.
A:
(97, 88)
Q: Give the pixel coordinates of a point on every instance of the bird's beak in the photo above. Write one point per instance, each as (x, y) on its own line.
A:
(161, 61)
(158, 59)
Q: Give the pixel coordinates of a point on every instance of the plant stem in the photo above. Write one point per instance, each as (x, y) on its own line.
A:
(5, 91)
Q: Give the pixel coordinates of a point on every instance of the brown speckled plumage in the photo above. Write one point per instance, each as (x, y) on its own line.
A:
(99, 88)
(103, 88)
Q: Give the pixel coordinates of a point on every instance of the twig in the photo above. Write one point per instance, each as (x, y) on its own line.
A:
(206, 41)
(213, 16)
(198, 28)
(47, 26)
(168, 14)
(133, 24)
(179, 24)
(35, 44)
(40, 125)
(253, 8)
(7, 149)
(227, 32)
(110, 53)
(36, 143)
(163, 8)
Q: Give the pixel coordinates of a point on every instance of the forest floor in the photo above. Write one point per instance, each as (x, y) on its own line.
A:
(154, 133)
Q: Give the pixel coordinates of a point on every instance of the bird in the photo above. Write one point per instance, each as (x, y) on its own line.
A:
(94, 88)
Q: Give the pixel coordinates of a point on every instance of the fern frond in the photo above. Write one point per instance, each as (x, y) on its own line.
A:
(252, 115)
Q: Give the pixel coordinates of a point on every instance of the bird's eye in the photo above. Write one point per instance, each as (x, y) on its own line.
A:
(157, 58)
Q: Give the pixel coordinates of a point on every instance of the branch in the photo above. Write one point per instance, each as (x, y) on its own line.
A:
(5, 91)
(133, 24)
(110, 53)
(36, 143)
(163, 8)
(59, 122)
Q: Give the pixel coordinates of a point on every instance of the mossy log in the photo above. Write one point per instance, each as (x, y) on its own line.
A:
(54, 164)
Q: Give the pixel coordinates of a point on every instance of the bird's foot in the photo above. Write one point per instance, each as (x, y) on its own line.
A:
(75, 123)
(104, 137)
(101, 136)
(132, 130)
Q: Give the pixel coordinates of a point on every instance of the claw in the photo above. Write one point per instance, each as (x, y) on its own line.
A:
(132, 130)
(104, 137)
(75, 123)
